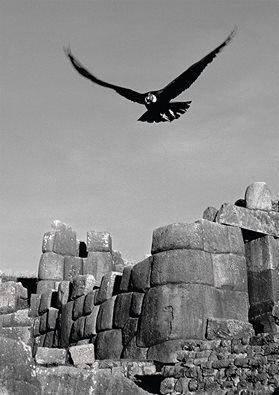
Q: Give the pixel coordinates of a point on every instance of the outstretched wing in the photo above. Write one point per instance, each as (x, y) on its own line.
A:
(186, 79)
(127, 93)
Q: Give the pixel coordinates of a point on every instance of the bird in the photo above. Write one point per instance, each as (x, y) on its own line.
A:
(158, 103)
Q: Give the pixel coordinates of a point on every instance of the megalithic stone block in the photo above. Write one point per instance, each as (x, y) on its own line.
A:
(129, 330)
(49, 339)
(262, 254)
(105, 315)
(78, 307)
(73, 266)
(140, 275)
(43, 324)
(182, 266)
(227, 328)
(210, 213)
(99, 241)
(77, 332)
(48, 357)
(122, 309)
(89, 302)
(83, 354)
(109, 344)
(10, 296)
(263, 286)
(109, 286)
(132, 351)
(125, 281)
(66, 323)
(259, 221)
(166, 352)
(52, 316)
(177, 236)
(98, 264)
(51, 266)
(65, 242)
(258, 196)
(63, 293)
(34, 305)
(45, 302)
(82, 284)
(230, 271)
(90, 323)
(136, 304)
(46, 285)
(48, 241)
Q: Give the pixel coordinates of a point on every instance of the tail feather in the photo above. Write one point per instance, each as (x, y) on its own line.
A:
(174, 111)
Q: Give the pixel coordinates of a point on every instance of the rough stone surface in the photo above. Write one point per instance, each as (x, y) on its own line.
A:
(98, 264)
(90, 323)
(109, 344)
(255, 220)
(50, 356)
(17, 370)
(45, 302)
(10, 296)
(165, 352)
(140, 275)
(63, 293)
(210, 213)
(122, 309)
(18, 318)
(52, 316)
(230, 271)
(129, 330)
(176, 236)
(72, 267)
(78, 307)
(182, 266)
(66, 323)
(258, 196)
(34, 305)
(225, 328)
(23, 333)
(65, 242)
(45, 285)
(83, 354)
(51, 266)
(43, 323)
(99, 241)
(48, 241)
(105, 315)
(109, 286)
(132, 351)
(77, 331)
(136, 304)
(125, 280)
(82, 285)
(262, 254)
(89, 302)
(263, 286)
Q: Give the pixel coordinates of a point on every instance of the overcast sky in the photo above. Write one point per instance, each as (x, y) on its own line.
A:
(74, 151)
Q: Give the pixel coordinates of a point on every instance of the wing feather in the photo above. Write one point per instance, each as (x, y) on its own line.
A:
(126, 92)
(186, 79)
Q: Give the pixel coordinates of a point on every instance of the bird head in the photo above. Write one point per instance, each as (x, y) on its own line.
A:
(150, 98)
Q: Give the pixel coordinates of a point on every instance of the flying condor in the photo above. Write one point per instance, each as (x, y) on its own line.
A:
(159, 106)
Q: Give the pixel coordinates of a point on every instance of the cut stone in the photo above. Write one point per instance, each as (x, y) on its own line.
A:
(210, 213)
(122, 309)
(63, 293)
(45, 302)
(105, 315)
(230, 271)
(132, 351)
(66, 323)
(72, 267)
(65, 242)
(262, 254)
(49, 339)
(125, 281)
(89, 302)
(109, 344)
(182, 266)
(82, 285)
(34, 305)
(98, 264)
(78, 307)
(23, 333)
(77, 332)
(166, 352)
(99, 241)
(136, 304)
(263, 286)
(231, 305)
(18, 318)
(50, 356)
(44, 286)
(258, 196)
(51, 266)
(129, 330)
(52, 318)
(48, 241)
(43, 323)
(109, 286)
(177, 236)
(90, 323)
(140, 275)
(255, 220)
(227, 328)
(10, 296)
(82, 354)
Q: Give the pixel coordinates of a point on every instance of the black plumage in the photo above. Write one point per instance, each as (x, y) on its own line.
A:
(158, 103)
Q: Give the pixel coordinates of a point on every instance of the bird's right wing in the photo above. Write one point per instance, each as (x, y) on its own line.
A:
(186, 79)
(126, 92)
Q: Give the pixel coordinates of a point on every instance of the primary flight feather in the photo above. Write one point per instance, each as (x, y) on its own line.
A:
(158, 103)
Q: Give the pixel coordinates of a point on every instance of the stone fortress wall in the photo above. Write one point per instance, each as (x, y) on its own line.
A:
(193, 306)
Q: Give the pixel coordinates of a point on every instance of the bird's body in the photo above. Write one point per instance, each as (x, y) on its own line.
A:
(158, 103)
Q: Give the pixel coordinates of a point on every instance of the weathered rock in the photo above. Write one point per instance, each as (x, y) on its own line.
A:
(45, 285)
(165, 352)
(73, 266)
(51, 266)
(230, 271)
(210, 214)
(132, 351)
(78, 307)
(255, 220)
(109, 344)
(105, 315)
(34, 305)
(122, 309)
(99, 241)
(52, 316)
(90, 323)
(231, 304)
(227, 328)
(136, 304)
(182, 266)
(83, 354)
(82, 285)
(50, 356)
(10, 296)
(17, 369)
(140, 275)
(65, 242)
(36, 326)
(109, 286)
(22, 333)
(167, 385)
(48, 241)
(43, 323)
(176, 236)
(125, 280)
(66, 323)
(262, 254)
(77, 332)
(18, 318)
(98, 264)
(258, 196)
(89, 302)
(63, 293)
(49, 339)
(45, 302)
(129, 330)
(263, 286)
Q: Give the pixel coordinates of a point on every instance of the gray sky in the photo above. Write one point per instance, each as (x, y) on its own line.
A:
(72, 150)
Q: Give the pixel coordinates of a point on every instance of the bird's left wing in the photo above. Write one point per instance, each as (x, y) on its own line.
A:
(186, 79)
(126, 92)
